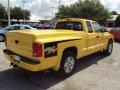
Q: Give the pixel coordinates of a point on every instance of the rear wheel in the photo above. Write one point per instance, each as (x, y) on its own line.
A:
(109, 49)
(68, 63)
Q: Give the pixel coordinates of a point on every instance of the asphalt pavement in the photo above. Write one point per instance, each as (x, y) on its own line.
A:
(94, 72)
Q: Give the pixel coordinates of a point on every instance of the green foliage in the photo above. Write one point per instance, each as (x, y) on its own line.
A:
(117, 21)
(18, 13)
(2, 12)
(27, 14)
(88, 9)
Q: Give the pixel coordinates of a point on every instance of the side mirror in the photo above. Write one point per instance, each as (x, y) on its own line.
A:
(103, 30)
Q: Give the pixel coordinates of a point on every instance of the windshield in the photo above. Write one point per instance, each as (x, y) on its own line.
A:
(69, 26)
(6, 28)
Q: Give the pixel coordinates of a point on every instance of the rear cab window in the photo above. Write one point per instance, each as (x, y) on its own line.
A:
(69, 25)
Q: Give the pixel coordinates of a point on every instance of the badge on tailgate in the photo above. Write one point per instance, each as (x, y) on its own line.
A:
(16, 42)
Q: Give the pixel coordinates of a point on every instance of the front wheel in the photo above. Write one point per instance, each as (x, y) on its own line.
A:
(68, 63)
(109, 49)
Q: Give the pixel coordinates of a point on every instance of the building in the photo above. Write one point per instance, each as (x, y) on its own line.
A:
(111, 21)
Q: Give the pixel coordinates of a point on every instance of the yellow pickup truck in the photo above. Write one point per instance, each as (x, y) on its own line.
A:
(57, 49)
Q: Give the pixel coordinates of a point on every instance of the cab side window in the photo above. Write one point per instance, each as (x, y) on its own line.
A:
(97, 27)
(89, 26)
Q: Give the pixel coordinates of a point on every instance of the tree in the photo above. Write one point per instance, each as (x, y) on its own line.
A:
(3, 12)
(117, 21)
(88, 9)
(18, 13)
(27, 14)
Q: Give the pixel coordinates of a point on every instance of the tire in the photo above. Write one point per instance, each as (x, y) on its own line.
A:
(2, 38)
(109, 49)
(68, 64)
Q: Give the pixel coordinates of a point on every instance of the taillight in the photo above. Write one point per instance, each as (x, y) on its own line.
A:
(37, 50)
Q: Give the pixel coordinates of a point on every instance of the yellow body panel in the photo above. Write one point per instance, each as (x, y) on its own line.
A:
(85, 43)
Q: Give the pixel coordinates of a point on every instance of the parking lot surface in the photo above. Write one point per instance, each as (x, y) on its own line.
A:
(95, 72)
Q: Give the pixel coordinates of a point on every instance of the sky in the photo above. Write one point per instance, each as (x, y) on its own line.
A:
(42, 9)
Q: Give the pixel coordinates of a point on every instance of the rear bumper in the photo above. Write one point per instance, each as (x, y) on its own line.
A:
(26, 63)
(23, 59)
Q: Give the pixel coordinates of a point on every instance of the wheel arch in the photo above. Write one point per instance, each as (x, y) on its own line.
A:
(71, 48)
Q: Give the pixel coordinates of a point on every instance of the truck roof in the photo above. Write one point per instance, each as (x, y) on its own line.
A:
(73, 19)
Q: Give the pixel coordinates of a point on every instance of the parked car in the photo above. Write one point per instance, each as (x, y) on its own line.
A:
(105, 29)
(44, 26)
(12, 27)
(34, 25)
(116, 33)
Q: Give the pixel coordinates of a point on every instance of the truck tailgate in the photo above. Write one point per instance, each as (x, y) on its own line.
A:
(20, 43)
